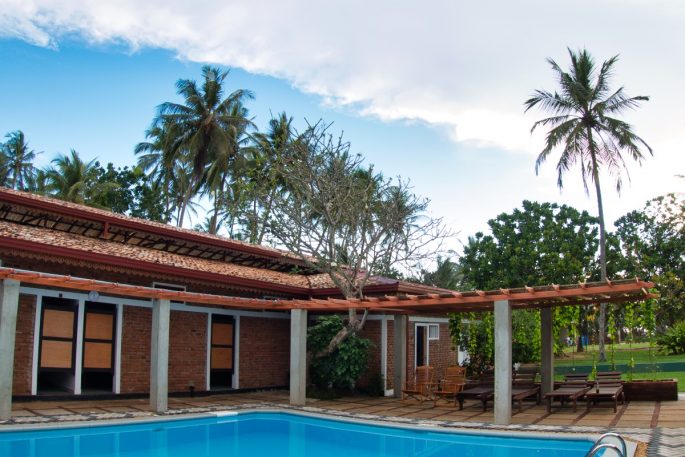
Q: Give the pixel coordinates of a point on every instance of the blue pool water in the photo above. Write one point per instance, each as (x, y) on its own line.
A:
(272, 435)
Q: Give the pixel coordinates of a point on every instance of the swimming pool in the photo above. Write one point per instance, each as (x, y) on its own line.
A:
(262, 434)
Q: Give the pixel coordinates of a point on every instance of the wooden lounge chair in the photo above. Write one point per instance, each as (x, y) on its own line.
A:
(608, 387)
(452, 384)
(422, 388)
(484, 391)
(523, 385)
(574, 387)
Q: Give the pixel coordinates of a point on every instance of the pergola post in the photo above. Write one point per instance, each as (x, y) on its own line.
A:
(298, 357)
(399, 331)
(9, 306)
(503, 370)
(546, 351)
(159, 359)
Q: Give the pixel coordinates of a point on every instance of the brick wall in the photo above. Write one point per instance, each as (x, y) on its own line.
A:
(371, 331)
(23, 348)
(135, 349)
(441, 353)
(264, 352)
(187, 351)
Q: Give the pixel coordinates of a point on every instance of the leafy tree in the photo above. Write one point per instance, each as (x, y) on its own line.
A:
(264, 180)
(18, 161)
(653, 242)
(583, 127)
(342, 367)
(134, 194)
(158, 158)
(539, 244)
(343, 219)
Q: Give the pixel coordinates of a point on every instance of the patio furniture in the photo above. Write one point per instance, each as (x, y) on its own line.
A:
(608, 387)
(574, 387)
(577, 377)
(523, 386)
(422, 389)
(484, 391)
(452, 384)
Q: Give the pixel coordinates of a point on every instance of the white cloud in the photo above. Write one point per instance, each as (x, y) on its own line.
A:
(465, 64)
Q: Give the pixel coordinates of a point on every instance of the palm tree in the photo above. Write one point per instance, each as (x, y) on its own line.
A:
(582, 126)
(158, 159)
(226, 165)
(18, 160)
(202, 122)
(73, 180)
(269, 149)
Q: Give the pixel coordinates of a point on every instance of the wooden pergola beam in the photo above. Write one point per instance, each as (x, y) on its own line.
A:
(528, 297)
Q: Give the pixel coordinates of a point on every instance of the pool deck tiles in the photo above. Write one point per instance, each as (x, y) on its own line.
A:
(660, 425)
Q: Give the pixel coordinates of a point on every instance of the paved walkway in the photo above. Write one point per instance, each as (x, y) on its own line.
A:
(660, 425)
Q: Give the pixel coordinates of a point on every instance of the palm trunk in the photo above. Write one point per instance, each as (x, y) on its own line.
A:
(184, 206)
(602, 250)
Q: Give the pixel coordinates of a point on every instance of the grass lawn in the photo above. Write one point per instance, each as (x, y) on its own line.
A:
(622, 354)
(648, 362)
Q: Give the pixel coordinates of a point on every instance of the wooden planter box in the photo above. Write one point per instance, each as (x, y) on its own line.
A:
(645, 390)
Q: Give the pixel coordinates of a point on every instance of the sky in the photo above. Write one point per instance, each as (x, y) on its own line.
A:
(430, 91)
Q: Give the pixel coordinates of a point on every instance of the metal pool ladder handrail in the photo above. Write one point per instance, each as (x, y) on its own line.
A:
(599, 445)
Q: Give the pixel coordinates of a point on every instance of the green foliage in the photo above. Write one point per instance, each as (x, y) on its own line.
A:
(447, 275)
(342, 368)
(72, 179)
(653, 242)
(474, 333)
(526, 341)
(673, 340)
(541, 243)
(16, 162)
(538, 244)
(133, 193)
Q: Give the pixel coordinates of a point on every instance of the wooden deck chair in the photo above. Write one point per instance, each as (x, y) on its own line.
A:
(523, 385)
(422, 388)
(484, 391)
(573, 388)
(608, 387)
(452, 383)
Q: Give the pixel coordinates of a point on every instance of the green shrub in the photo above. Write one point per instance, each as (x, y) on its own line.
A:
(342, 368)
(673, 340)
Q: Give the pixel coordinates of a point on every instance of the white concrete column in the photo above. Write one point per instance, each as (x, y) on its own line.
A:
(399, 329)
(503, 365)
(159, 359)
(546, 351)
(9, 306)
(298, 357)
(78, 363)
(384, 352)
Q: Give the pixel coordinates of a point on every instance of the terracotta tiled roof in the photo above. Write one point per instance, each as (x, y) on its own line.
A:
(96, 213)
(127, 253)
(81, 244)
